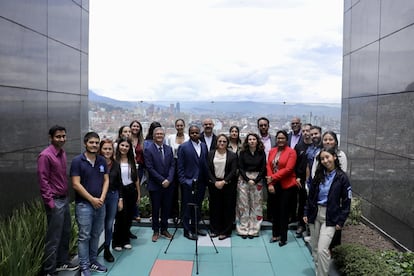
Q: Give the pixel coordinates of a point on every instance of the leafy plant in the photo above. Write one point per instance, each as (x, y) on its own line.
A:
(22, 240)
(354, 259)
(355, 214)
(145, 207)
(401, 263)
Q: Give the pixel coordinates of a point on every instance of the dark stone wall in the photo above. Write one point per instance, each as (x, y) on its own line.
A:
(377, 128)
(43, 82)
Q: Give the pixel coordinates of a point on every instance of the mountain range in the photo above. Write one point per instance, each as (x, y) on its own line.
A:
(234, 107)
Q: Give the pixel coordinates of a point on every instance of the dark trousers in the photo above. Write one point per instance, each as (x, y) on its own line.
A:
(57, 235)
(123, 219)
(281, 200)
(188, 214)
(175, 206)
(161, 199)
(302, 197)
(222, 204)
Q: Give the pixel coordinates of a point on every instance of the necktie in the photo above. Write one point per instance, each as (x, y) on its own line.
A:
(162, 153)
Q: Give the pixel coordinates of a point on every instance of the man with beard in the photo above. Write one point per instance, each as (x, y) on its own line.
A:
(207, 136)
(193, 177)
(90, 180)
(300, 170)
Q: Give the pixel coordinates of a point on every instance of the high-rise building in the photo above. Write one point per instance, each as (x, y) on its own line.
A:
(377, 100)
(43, 82)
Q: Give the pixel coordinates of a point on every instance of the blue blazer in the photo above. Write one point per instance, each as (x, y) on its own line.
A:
(159, 170)
(190, 166)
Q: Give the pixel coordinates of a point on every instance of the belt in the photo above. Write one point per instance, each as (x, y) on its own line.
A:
(59, 197)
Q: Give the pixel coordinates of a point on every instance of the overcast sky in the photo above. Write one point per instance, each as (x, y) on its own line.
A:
(260, 50)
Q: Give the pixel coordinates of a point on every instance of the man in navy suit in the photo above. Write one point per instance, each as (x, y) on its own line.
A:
(160, 164)
(193, 176)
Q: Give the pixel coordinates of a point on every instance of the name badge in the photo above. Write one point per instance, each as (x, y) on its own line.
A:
(101, 169)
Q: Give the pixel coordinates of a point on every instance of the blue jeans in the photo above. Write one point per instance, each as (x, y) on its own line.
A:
(90, 223)
(111, 206)
(57, 235)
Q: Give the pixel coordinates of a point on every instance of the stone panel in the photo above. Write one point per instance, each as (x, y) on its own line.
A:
(64, 22)
(23, 57)
(396, 15)
(23, 115)
(396, 67)
(361, 170)
(63, 68)
(364, 71)
(394, 189)
(365, 21)
(362, 121)
(28, 13)
(395, 125)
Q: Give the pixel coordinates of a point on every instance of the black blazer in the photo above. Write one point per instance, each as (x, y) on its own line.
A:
(230, 171)
(213, 142)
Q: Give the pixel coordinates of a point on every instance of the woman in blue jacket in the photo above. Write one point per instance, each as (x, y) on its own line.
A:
(328, 206)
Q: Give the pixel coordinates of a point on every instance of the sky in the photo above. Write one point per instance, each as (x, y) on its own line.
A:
(216, 50)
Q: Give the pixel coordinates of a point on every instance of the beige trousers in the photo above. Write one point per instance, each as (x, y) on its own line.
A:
(321, 237)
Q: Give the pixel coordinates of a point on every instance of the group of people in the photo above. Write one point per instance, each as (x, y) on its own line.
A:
(302, 171)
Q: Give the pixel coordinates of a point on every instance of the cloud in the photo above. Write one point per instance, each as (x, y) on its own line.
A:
(269, 50)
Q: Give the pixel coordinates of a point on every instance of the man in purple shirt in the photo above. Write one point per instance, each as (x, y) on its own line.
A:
(51, 170)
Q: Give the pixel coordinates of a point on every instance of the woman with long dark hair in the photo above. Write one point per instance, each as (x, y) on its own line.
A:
(130, 191)
(328, 206)
(252, 169)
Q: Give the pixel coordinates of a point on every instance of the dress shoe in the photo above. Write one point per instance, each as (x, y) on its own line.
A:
(108, 255)
(213, 235)
(282, 243)
(190, 236)
(299, 231)
(132, 236)
(223, 237)
(155, 236)
(274, 239)
(166, 234)
(201, 232)
(250, 236)
(244, 237)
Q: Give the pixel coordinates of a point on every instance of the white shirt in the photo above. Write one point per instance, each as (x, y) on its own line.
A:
(197, 147)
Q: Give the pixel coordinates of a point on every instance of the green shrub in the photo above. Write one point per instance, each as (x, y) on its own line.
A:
(355, 214)
(353, 260)
(145, 207)
(22, 239)
(401, 263)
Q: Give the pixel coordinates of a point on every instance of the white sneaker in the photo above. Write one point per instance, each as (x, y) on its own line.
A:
(118, 248)
(307, 239)
(127, 246)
